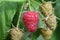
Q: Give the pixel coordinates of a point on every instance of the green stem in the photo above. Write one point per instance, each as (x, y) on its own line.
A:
(29, 5)
(31, 34)
(20, 15)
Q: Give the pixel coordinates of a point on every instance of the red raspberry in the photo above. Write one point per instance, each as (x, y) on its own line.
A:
(30, 19)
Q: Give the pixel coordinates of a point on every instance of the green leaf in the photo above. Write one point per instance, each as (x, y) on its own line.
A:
(40, 38)
(56, 34)
(36, 34)
(7, 11)
(57, 8)
(13, 0)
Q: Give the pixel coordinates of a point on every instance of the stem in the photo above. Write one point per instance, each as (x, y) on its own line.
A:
(12, 25)
(43, 1)
(30, 35)
(29, 5)
(29, 1)
(57, 18)
(19, 16)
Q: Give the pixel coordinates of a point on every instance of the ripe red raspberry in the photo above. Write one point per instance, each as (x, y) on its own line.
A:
(30, 19)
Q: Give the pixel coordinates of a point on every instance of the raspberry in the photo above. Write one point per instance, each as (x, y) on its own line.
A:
(16, 34)
(30, 20)
(46, 8)
(48, 11)
(47, 34)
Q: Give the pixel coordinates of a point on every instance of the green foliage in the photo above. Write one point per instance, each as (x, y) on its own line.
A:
(7, 11)
(10, 11)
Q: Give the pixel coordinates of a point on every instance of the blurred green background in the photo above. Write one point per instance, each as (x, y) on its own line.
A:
(9, 13)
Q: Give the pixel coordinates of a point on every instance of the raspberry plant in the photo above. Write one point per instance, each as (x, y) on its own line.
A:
(12, 27)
